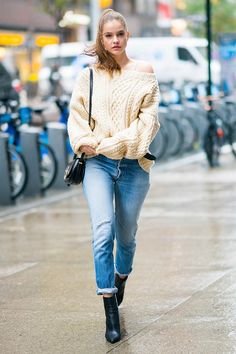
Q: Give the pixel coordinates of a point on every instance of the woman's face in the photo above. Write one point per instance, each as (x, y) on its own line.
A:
(114, 37)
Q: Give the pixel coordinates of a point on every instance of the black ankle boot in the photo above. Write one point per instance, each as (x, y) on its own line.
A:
(112, 319)
(120, 285)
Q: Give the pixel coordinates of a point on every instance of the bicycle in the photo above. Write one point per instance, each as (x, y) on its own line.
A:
(185, 127)
(17, 166)
(62, 104)
(48, 162)
(220, 131)
(11, 121)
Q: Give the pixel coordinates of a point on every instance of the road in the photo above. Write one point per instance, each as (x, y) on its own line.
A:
(180, 298)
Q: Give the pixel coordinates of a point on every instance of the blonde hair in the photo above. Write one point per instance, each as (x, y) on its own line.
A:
(105, 60)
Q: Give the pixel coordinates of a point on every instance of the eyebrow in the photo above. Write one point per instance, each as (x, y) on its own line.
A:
(116, 32)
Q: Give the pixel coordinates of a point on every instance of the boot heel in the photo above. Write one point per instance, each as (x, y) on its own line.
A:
(112, 319)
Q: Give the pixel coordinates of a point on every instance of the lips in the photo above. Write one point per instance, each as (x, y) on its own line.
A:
(116, 47)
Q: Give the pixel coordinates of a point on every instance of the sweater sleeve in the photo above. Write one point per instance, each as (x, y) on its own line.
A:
(135, 140)
(79, 130)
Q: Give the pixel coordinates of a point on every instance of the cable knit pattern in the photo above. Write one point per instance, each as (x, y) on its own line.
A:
(124, 110)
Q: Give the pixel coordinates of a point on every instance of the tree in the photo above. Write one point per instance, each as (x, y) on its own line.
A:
(57, 8)
(223, 16)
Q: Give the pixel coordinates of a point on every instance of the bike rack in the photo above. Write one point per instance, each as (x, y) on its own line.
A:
(29, 142)
(57, 140)
(5, 185)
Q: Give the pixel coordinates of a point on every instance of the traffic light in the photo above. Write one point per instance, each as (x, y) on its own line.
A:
(105, 3)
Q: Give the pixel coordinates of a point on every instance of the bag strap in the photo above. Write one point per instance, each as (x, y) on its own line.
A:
(90, 95)
(149, 156)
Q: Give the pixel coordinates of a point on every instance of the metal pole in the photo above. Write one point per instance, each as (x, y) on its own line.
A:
(209, 37)
(30, 149)
(57, 140)
(5, 185)
(95, 13)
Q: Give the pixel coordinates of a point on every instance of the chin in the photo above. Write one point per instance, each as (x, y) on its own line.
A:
(117, 52)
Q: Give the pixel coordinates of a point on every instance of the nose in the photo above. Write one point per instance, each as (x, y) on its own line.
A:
(115, 39)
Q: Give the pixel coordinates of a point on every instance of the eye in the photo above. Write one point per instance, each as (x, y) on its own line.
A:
(108, 35)
(121, 34)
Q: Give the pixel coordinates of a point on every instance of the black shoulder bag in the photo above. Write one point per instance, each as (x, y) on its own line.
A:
(74, 172)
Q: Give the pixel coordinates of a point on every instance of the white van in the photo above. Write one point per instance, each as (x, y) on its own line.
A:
(70, 60)
(175, 58)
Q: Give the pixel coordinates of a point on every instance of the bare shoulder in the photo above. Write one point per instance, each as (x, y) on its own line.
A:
(144, 66)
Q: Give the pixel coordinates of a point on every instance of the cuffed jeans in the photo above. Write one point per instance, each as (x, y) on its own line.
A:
(115, 191)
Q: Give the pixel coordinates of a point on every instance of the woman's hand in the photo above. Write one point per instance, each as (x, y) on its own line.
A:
(88, 150)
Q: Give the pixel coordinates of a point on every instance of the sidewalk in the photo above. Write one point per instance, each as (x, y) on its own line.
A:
(180, 298)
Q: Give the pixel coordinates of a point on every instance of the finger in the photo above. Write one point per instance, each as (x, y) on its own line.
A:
(91, 152)
(86, 149)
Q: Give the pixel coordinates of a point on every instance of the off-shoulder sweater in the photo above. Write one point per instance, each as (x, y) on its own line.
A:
(124, 114)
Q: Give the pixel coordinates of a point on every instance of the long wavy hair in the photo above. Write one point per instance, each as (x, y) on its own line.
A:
(105, 60)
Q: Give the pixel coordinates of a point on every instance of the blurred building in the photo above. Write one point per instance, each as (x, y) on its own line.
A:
(24, 29)
(141, 16)
(148, 18)
(22, 15)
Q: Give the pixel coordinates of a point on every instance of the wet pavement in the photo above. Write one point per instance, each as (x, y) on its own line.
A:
(180, 298)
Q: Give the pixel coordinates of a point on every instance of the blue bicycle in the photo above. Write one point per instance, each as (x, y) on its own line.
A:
(62, 103)
(12, 117)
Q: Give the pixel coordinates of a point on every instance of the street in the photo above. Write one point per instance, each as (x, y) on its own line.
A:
(180, 298)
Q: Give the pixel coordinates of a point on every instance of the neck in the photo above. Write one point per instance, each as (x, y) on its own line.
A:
(122, 60)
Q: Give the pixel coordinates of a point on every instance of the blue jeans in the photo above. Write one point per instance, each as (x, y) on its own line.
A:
(115, 191)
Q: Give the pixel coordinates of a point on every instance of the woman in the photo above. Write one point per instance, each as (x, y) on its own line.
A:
(116, 181)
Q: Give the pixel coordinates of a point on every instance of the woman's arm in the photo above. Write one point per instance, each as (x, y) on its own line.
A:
(79, 131)
(134, 141)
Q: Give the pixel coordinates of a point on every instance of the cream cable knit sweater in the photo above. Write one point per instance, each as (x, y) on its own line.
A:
(124, 112)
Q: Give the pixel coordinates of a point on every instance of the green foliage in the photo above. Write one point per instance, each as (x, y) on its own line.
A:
(56, 8)
(223, 16)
